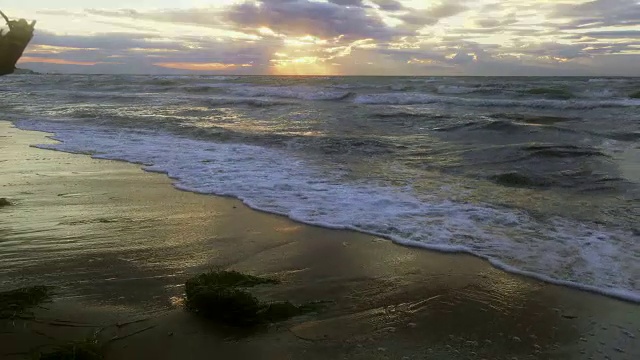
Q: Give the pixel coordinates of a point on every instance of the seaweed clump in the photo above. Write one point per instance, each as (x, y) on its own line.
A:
(221, 296)
(4, 202)
(18, 302)
(635, 95)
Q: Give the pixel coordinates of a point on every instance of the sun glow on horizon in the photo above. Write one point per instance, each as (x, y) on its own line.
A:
(34, 59)
(200, 66)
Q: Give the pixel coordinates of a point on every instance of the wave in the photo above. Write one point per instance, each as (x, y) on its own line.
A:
(561, 151)
(559, 250)
(517, 179)
(605, 80)
(534, 119)
(292, 92)
(256, 102)
(600, 94)
(456, 89)
(551, 93)
(624, 136)
(420, 98)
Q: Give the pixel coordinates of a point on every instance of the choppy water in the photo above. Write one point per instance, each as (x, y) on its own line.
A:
(539, 175)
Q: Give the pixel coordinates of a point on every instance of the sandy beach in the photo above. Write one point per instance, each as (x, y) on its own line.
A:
(118, 243)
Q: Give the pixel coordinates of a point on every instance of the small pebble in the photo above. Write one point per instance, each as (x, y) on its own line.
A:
(516, 339)
(381, 349)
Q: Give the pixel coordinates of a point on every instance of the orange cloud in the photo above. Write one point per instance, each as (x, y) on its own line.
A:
(50, 49)
(199, 66)
(32, 59)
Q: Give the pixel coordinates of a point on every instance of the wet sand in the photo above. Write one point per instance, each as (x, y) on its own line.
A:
(118, 243)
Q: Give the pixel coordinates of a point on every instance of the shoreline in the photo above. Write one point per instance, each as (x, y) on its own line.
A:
(119, 241)
(620, 294)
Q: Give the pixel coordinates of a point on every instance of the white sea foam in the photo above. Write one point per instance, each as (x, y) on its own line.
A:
(291, 92)
(558, 250)
(600, 93)
(421, 98)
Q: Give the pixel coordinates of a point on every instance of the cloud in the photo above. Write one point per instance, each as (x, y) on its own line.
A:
(206, 17)
(389, 5)
(495, 22)
(599, 13)
(357, 3)
(105, 41)
(136, 52)
(614, 34)
(352, 37)
(303, 17)
(432, 15)
(200, 66)
(33, 59)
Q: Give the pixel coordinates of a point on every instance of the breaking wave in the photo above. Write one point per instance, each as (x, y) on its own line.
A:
(293, 92)
(602, 259)
(420, 98)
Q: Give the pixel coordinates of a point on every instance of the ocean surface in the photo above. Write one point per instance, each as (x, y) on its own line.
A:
(540, 176)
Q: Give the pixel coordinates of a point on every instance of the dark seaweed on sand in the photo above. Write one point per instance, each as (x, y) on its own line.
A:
(218, 296)
(19, 302)
(81, 350)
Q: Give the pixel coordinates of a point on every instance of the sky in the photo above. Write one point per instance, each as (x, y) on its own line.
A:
(333, 37)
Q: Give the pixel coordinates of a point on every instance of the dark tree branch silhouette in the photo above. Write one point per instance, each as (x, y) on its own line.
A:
(13, 43)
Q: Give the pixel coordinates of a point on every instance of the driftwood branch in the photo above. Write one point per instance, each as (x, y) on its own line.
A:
(6, 19)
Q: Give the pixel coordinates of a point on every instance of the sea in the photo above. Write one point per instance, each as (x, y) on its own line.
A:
(538, 175)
